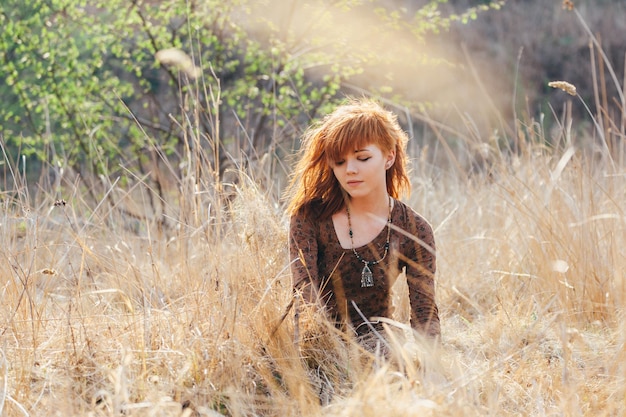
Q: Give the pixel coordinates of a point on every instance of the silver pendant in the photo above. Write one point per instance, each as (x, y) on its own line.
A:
(367, 279)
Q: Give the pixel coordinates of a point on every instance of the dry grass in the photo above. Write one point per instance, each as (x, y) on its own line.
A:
(178, 302)
(104, 319)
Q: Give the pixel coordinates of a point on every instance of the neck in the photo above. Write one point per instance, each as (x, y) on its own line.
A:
(377, 205)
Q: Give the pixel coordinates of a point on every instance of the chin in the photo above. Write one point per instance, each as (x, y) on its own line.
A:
(357, 194)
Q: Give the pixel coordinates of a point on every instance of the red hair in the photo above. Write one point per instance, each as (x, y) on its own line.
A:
(357, 123)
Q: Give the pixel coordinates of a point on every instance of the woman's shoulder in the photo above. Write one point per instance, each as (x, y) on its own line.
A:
(307, 224)
(411, 220)
(308, 212)
(308, 217)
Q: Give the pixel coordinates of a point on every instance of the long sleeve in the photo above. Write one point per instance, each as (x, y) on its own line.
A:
(421, 267)
(303, 256)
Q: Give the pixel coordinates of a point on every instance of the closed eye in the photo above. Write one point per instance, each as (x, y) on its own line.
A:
(362, 159)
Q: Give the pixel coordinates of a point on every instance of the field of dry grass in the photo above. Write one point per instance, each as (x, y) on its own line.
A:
(177, 302)
(108, 314)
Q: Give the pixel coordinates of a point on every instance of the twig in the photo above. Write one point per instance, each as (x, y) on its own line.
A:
(369, 324)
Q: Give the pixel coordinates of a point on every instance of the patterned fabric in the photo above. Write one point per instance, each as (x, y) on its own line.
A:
(322, 268)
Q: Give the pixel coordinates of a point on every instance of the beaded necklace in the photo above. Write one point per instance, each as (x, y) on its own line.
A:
(367, 278)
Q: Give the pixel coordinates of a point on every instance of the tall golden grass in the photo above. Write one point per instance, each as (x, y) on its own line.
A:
(101, 318)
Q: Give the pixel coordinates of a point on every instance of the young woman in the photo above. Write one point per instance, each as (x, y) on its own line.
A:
(350, 236)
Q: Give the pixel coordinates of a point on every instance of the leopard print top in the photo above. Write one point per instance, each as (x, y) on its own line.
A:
(322, 268)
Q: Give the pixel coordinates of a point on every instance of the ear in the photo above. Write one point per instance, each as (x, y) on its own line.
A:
(391, 158)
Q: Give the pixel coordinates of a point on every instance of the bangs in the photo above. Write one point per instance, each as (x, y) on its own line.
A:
(352, 132)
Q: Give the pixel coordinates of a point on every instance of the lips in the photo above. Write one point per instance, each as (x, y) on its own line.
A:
(354, 183)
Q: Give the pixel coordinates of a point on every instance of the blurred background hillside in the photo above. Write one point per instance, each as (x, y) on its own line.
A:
(544, 41)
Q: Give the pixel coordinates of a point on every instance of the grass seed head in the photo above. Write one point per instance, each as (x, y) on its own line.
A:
(178, 59)
(565, 86)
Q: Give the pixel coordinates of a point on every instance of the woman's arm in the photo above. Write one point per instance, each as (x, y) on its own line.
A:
(421, 267)
(303, 257)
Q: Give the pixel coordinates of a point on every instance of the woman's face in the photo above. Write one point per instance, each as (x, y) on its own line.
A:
(363, 171)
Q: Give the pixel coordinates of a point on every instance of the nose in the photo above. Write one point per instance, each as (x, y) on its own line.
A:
(351, 166)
